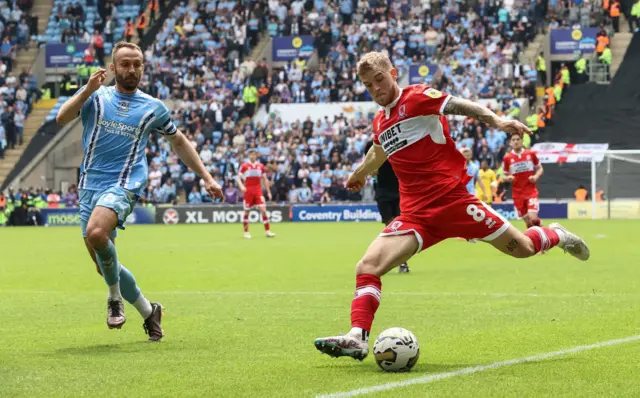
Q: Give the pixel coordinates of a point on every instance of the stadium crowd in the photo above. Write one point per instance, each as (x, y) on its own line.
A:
(200, 62)
(477, 48)
(214, 91)
(18, 89)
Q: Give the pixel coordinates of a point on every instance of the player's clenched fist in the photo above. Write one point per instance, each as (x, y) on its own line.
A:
(355, 182)
(97, 78)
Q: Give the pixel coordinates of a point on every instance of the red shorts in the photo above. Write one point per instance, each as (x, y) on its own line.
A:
(253, 198)
(528, 205)
(458, 214)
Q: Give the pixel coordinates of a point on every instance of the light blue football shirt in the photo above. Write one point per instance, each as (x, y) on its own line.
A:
(472, 171)
(115, 131)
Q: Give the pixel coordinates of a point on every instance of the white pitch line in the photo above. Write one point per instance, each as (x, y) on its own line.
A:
(272, 293)
(477, 369)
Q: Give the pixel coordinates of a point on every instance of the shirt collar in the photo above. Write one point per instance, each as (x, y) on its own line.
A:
(389, 108)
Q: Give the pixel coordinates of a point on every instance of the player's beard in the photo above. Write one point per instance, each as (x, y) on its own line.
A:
(128, 81)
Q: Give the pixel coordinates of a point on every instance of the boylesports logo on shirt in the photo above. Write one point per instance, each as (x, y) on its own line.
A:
(113, 127)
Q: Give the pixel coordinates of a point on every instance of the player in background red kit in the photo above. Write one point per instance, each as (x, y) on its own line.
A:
(411, 131)
(254, 174)
(523, 169)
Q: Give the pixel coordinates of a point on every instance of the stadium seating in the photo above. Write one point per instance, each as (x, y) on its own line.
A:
(54, 111)
(18, 88)
(59, 20)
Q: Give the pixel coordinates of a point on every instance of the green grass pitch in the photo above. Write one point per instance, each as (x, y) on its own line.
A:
(241, 315)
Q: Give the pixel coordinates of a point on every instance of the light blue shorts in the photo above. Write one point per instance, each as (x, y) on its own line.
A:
(117, 199)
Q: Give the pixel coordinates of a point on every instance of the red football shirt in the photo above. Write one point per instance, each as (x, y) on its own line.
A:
(414, 134)
(521, 167)
(252, 174)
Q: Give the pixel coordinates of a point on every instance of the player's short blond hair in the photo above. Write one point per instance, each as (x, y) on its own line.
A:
(374, 60)
(123, 44)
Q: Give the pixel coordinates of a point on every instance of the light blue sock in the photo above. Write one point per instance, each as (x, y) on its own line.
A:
(108, 263)
(128, 288)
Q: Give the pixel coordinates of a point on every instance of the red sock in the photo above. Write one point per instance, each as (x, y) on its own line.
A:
(245, 222)
(265, 221)
(366, 301)
(543, 238)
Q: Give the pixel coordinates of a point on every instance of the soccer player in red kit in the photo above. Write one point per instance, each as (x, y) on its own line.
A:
(411, 131)
(523, 169)
(254, 174)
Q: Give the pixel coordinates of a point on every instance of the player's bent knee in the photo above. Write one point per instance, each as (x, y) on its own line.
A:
(97, 237)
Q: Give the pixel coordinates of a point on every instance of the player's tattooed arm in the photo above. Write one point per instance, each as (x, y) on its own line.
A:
(463, 107)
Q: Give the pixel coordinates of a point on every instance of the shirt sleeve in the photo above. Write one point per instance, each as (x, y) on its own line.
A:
(163, 123)
(535, 159)
(376, 133)
(88, 104)
(506, 164)
(429, 101)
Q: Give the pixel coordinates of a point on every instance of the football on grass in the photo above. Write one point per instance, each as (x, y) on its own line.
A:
(396, 350)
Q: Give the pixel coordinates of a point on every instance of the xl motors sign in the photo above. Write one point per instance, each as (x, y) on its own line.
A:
(216, 215)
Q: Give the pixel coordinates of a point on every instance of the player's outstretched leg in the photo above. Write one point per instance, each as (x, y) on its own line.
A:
(245, 224)
(101, 223)
(150, 312)
(384, 254)
(540, 239)
(265, 220)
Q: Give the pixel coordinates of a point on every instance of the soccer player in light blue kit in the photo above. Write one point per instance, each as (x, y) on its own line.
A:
(473, 171)
(116, 124)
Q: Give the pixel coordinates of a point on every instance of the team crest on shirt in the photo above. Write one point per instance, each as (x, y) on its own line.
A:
(123, 106)
(432, 93)
(402, 112)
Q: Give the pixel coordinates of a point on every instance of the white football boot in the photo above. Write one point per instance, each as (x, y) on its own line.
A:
(347, 345)
(270, 234)
(571, 243)
(247, 235)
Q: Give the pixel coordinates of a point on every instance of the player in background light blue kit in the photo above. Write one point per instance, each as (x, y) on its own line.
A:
(473, 171)
(116, 125)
